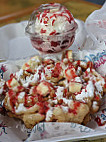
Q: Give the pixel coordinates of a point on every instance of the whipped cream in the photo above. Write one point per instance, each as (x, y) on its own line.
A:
(55, 20)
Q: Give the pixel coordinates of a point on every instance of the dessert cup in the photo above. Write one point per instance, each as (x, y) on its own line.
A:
(46, 37)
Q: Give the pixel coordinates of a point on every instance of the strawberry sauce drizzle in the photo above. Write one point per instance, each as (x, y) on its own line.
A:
(89, 64)
(57, 70)
(9, 82)
(65, 92)
(40, 71)
(53, 33)
(72, 72)
(43, 107)
(27, 65)
(13, 99)
(26, 99)
(105, 85)
(34, 90)
(43, 31)
(33, 100)
(78, 62)
(38, 15)
(20, 88)
(12, 75)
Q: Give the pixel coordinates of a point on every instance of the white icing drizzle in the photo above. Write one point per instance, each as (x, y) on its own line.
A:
(33, 78)
(98, 93)
(21, 108)
(88, 70)
(53, 101)
(48, 70)
(28, 80)
(43, 76)
(19, 74)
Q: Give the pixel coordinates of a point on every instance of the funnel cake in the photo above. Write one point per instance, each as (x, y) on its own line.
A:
(52, 90)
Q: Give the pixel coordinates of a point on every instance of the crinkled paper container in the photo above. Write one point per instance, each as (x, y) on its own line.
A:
(15, 48)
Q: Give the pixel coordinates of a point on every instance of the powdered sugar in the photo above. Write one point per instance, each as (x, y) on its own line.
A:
(59, 92)
(65, 108)
(49, 114)
(67, 101)
(89, 92)
(77, 79)
(95, 104)
(21, 95)
(88, 70)
(99, 86)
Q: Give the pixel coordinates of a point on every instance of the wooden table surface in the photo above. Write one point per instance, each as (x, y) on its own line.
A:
(12, 11)
(18, 10)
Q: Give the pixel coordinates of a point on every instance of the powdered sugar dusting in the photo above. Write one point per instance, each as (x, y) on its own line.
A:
(49, 114)
(89, 92)
(99, 86)
(77, 79)
(65, 108)
(59, 92)
(21, 95)
(21, 108)
(95, 104)
(67, 101)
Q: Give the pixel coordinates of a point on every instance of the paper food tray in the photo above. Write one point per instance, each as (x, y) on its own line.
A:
(15, 48)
